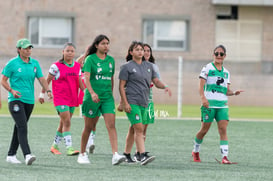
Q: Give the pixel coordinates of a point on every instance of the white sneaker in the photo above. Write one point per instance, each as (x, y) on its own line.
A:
(83, 158)
(30, 159)
(117, 159)
(13, 159)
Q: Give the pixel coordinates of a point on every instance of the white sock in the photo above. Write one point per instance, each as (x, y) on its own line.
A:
(224, 150)
(196, 147)
(68, 140)
(91, 140)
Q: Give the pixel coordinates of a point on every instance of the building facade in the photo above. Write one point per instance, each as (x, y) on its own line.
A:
(190, 29)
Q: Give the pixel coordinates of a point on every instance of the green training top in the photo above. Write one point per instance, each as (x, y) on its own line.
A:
(21, 77)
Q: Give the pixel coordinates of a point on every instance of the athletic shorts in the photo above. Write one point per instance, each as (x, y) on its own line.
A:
(150, 118)
(91, 109)
(137, 114)
(64, 108)
(209, 114)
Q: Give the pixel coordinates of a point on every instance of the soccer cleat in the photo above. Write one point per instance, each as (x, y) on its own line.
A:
(128, 158)
(55, 150)
(195, 156)
(83, 158)
(29, 159)
(13, 160)
(225, 161)
(137, 157)
(117, 159)
(71, 151)
(145, 158)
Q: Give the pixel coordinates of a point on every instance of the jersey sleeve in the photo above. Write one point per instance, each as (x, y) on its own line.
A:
(39, 72)
(156, 70)
(7, 70)
(204, 73)
(87, 64)
(54, 70)
(123, 74)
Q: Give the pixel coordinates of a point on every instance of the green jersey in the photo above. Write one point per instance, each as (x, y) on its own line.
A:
(21, 77)
(101, 73)
(216, 85)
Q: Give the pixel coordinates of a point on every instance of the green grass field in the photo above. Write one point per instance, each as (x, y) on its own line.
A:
(170, 140)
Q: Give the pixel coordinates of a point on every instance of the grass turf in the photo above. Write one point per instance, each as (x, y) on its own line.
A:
(171, 141)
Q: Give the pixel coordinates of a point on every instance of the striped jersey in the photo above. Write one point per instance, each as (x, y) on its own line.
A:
(215, 89)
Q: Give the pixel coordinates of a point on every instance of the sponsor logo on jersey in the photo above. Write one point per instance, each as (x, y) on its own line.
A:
(98, 64)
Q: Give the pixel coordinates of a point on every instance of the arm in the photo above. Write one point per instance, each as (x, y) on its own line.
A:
(6, 85)
(161, 85)
(94, 96)
(204, 100)
(231, 93)
(42, 94)
(82, 87)
(44, 84)
(124, 102)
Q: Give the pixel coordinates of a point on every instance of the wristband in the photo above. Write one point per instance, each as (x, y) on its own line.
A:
(48, 91)
(42, 95)
(166, 86)
(234, 92)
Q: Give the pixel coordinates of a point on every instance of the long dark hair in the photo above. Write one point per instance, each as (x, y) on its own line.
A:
(131, 47)
(66, 45)
(151, 58)
(92, 48)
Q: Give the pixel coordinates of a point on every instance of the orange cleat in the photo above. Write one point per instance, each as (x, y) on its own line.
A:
(195, 156)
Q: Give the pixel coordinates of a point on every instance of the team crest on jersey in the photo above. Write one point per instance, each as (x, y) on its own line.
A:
(149, 70)
(134, 70)
(137, 117)
(99, 70)
(16, 108)
(19, 70)
(225, 75)
(35, 69)
(90, 112)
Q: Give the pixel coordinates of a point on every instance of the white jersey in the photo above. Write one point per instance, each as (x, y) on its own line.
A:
(215, 89)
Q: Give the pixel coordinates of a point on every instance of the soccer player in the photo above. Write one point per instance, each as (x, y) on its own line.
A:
(214, 88)
(21, 72)
(99, 69)
(65, 75)
(134, 87)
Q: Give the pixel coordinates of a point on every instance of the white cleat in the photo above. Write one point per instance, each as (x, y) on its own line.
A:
(83, 158)
(13, 160)
(117, 159)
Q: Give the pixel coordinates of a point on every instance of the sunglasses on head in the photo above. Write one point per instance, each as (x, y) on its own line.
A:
(219, 53)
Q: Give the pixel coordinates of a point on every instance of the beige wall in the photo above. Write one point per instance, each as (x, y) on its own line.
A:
(121, 20)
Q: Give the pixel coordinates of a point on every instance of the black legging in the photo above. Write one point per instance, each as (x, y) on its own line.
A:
(20, 112)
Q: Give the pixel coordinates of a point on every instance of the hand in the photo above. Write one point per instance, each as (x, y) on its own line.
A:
(205, 103)
(15, 93)
(237, 92)
(120, 107)
(41, 100)
(167, 89)
(127, 108)
(95, 97)
(49, 95)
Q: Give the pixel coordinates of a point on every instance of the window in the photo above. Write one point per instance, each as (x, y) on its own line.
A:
(49, 31)
(165, 34)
